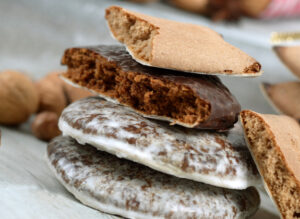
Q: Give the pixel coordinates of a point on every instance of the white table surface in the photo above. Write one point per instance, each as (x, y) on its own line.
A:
(34, 34)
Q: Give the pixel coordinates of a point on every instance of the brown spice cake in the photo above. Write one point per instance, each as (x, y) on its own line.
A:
(186, 99)
(275, 145)
(173, 45)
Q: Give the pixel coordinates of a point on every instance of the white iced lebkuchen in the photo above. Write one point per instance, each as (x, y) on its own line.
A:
(219, 159)
(118, 186)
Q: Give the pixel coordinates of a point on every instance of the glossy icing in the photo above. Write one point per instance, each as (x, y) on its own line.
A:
(220, 159)
(121, 187)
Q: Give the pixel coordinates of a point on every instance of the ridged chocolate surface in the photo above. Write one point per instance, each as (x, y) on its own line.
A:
(224, 106)
(220, 159)
(121, 187)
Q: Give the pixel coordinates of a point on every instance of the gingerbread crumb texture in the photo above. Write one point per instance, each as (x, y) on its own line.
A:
(135, 33)
(189, 100)
(180, 46)
(275, 144)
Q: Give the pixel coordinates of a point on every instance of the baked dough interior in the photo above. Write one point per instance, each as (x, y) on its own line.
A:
(137, 34)
(180, 46)
(280, 181)
(149, 95)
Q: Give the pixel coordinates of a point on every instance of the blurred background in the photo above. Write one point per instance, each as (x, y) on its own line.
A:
(35, 33)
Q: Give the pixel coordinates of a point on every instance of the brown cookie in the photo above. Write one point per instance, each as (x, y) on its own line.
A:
(220, 159)
(275, 145)
(121, 187)
(193, 101)
(284, 97)
(290, 56)
(180, 46)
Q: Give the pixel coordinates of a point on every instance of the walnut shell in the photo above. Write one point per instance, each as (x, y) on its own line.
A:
(71, 92)
(52, 94)
(76, 93)
(55, 94)
(45, 126)
(18, 97)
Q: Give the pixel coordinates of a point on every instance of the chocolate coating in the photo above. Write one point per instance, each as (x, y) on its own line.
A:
(224, 108)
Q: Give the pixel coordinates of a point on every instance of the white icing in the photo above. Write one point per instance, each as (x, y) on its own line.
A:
(94, 178)
(108, 127)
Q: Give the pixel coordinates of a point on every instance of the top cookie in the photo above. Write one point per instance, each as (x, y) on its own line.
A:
(174, 45)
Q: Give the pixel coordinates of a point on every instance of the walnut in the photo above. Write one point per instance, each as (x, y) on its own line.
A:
(52, 94)
(18, 97)
(45, 126)
(55, 94)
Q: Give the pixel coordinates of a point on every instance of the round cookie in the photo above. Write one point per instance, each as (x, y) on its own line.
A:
(220, 159)
(179, 46)
(121, 187)
(193, 101)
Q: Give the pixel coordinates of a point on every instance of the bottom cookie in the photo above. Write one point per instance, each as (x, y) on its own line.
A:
(121, 187)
